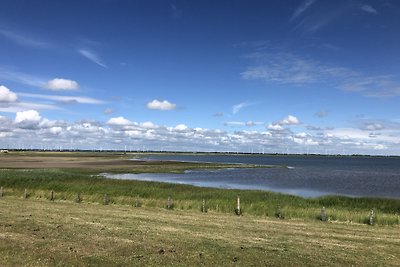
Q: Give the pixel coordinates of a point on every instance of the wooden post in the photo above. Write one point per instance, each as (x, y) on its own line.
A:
(26, 193)
(203, 206)
(371, 218)
(52, 195)
(78, 198)
(280, 213)
(137, 202)
(323, 214)
(1, 191)
(169, 203)
(238, 210)
(106, 199)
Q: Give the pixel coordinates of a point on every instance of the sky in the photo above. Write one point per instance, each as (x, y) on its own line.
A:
(299, 76)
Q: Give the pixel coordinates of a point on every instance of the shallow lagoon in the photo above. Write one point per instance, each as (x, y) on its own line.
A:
(308, 176)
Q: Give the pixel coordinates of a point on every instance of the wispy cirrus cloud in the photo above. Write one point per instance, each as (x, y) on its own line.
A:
(23, 40)
(243, 123)
(290, 69)
(238, 107)
(56, 84)
(368, 9)
(92, 56)
(302, 8)
(22, 78)
(64, 99)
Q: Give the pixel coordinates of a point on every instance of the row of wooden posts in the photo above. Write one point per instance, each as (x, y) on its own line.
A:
(170, 205)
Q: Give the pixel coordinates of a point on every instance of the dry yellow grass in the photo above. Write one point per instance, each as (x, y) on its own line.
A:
(41, 233)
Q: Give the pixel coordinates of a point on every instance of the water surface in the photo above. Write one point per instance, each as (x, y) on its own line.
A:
(308, 176)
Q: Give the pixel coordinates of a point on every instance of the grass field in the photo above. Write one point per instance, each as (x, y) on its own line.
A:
(39, 232)
(63, 233)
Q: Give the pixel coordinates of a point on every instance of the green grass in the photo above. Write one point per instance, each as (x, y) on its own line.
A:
(66, 183)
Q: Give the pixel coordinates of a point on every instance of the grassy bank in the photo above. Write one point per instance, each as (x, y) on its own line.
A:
(62, 233)
(66, 183)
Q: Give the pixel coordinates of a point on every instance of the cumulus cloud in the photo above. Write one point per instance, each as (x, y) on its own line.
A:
(121, 121)
(181, 127)
(290, 120)
(59, 84)
(148, 125)
(6, 95)
(30, 127)
(161, 105)
(372, 126)
(27, 116)
(275, 127)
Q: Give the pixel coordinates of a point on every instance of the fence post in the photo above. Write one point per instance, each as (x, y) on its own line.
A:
(371, 217)
(78, 198)
(238, 210)
(137, 201)
(169, 203)
(52, 195)
(26, 193)
(323, 214)
(1, 191)
(106, 199)
(280, 213)
(203, 206)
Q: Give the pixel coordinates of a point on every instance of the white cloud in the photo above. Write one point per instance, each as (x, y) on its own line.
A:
(380, 147)
(241, 123)
(368, 9)
(23, 40)
(92, 56)
(22, 78)
(275, 127)
(373, 126)
(59, 84)
(289, 120)
(181, 127)
(55, 130)
(27, 116)
(148, 125)
(119, 121)
(65, 99)
(6, 95)
(161, 105)
(302, 8)
(29, 127)
(236, 108)
(286, 68)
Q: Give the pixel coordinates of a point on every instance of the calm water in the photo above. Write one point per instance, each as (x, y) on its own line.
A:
(305, 175)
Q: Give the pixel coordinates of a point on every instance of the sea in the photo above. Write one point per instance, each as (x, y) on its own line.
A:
(301, 175)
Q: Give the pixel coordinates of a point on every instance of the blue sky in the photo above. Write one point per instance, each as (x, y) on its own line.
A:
(312, 76)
